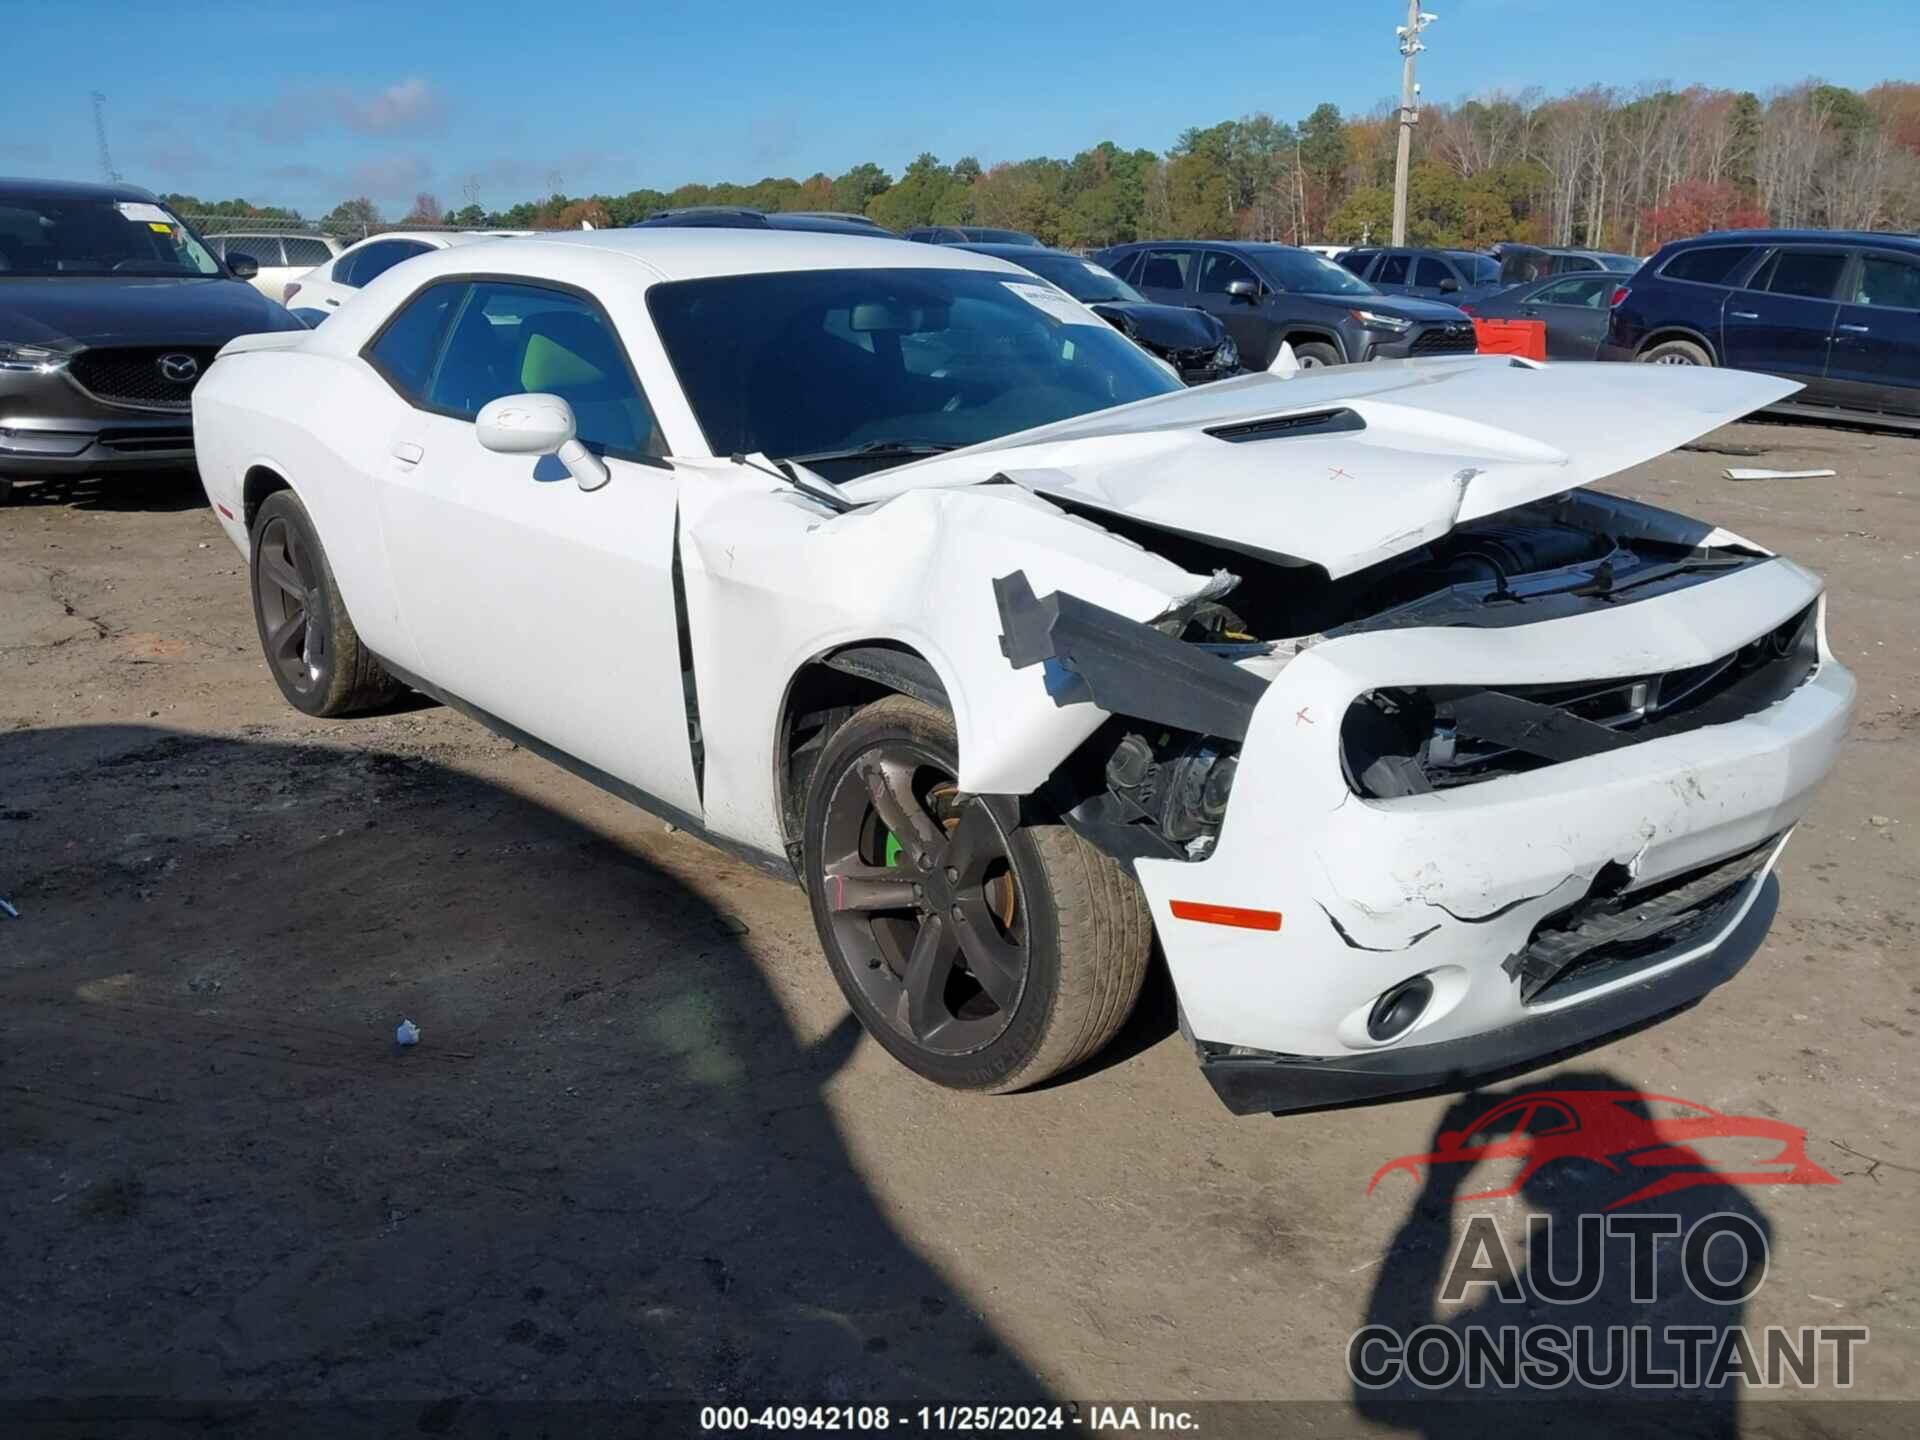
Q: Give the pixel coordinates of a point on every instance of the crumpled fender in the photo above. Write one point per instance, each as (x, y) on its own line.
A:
(773, 583)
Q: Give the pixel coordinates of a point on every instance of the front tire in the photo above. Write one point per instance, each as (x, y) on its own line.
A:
(986, 945)
(311, 647)
(1314, 356)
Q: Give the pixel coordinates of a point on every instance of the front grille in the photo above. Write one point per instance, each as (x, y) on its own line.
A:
(1445, 340)
(133, 376)
(1609, 934)
(1412, 740)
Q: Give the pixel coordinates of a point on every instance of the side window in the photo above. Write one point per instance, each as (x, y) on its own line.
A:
(376, 260)
(1579, 290)
(1393, 271)
(305, 251)
(524, 339)
(1220, 270)
(1709, 265)
(1810, 274)
(1888, 283)
(405, 349)
(1165, 269)
(1429, 271)
(264, 249)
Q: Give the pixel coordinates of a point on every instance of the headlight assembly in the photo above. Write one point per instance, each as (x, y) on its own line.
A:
(1374, 320)
(30, 359)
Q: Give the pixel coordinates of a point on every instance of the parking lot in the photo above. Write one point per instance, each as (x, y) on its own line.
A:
(643, 1150)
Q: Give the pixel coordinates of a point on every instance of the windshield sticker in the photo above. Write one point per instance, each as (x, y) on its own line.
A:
(1052, 302)
(139, 210)
(157, 226)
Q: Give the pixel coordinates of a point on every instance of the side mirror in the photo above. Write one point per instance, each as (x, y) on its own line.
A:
(539, 425)
(244, 267)
(1245, 290)
(1449, 286)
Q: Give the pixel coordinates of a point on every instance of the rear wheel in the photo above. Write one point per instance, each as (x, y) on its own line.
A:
(984, 947)
(307, 636)
(1313, 355)
(1675, 352)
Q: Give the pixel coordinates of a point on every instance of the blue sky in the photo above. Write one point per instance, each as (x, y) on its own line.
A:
(304, 104)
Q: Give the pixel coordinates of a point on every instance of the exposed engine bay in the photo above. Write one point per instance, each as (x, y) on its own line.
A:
(1156, 780)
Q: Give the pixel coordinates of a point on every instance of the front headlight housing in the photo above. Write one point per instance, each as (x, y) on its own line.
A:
(1374, 320)
(30, 359)
(1227, 356)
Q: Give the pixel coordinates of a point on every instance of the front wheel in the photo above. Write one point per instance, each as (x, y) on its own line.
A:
(1675, 352)
(985, 946)
(1313, 355)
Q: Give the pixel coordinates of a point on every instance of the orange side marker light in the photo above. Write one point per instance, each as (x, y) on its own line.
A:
(1226, 915)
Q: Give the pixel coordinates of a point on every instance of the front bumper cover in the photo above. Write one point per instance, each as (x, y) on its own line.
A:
(49, 425)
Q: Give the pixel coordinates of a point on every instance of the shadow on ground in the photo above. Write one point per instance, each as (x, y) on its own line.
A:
(606, 1173)
(150, 490)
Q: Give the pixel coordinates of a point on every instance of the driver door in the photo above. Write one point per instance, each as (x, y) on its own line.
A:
(547, 607)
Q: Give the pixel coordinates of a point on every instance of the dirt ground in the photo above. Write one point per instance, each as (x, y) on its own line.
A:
(642, 1151)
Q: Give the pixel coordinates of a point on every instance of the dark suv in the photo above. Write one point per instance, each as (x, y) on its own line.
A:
(1266, 294)
(1838, 311)
(1449, 275)
(110, 310)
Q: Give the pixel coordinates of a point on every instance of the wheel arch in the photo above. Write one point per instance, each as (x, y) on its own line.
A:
(822, 693)
(260, 481)
(1665, 333)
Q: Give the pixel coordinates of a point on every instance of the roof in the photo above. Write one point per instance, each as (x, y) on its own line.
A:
(1904, 239)
(701, 252)
(12, 186)
(433, 237)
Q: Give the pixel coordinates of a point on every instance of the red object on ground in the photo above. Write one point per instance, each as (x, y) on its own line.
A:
(1525, 338)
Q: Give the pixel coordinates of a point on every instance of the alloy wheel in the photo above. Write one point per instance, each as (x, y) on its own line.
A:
(292, 609)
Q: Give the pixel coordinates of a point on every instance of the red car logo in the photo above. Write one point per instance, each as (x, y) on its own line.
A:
(1622, 1131)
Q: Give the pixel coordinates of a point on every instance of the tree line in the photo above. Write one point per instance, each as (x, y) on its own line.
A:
(1599, 167)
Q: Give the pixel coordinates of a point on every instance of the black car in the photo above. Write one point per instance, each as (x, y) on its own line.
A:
(741, 217)
(1572, 307)
(111, 309)
(1267, 294)
(1450, 275)
(1522, 263)
(1192, 341)
(1837, 310)
(967, 235)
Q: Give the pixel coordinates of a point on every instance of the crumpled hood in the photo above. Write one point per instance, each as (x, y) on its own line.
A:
(1436, 442)
(1163, 327)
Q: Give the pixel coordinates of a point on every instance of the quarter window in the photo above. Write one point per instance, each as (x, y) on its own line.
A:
(512, 339)
(405, 350)
(1709, 265)
(306, 251)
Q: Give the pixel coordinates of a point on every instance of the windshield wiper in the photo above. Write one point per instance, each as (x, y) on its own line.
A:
(876, 448)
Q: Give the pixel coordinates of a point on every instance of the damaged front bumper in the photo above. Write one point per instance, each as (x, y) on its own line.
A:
(1527, 913)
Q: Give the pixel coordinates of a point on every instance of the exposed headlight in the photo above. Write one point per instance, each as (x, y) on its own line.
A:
(33, 359)
(1374, 320)
(1227, 356)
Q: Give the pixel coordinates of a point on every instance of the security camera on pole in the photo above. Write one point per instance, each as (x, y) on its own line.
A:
(1410, 46)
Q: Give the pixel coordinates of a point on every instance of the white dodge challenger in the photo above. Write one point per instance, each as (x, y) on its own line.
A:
(894, 568)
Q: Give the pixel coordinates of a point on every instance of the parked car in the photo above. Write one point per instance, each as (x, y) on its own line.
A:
(320, 291)
(1195, 343)
(741, 217)
(1267, 294)
(111, 310)
(281, 258)
(967, 235)
(1521, 263)
(1450, 275)
(1837, 311)
(1572, 307)
(911, 579)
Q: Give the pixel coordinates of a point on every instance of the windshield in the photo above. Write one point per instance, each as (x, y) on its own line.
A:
(825, 362)
(1481, 269)
(1082, 279)
(86, 235)
(1305, 273)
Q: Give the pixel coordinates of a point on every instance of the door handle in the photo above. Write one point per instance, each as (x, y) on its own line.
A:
(408, 455)
(1743, 314)
(334, 303)
(1857, 329)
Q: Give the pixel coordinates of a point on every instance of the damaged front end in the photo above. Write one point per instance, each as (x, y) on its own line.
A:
(1508, 791)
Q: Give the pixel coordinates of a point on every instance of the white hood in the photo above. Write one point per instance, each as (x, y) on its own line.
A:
(1443, 441)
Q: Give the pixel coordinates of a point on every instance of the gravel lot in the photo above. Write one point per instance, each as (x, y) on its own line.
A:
(643, 1151)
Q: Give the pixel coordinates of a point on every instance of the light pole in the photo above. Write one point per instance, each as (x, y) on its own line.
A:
(1410, 46)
